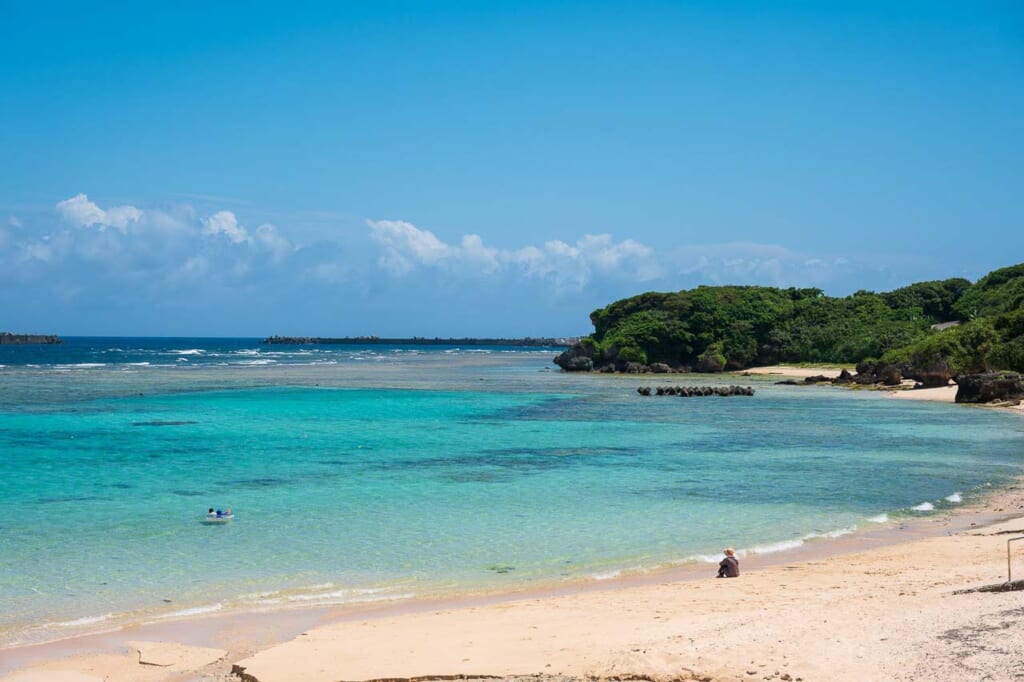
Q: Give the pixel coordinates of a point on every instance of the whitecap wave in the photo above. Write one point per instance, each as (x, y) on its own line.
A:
(253, 363)
(924, 506)
(79, 622)
(188, 351)
(773, 547)
(837, 533)
(955, 498)
(194, 611)
(881, 518)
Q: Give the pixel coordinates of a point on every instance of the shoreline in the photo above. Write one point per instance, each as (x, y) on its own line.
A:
(258, 637)
(942, 394)
(261, 637)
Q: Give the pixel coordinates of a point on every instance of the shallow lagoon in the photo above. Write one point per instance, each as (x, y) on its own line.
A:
(384, 473)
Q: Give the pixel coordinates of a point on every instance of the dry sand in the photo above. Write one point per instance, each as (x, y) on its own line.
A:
(790, 372)
(887, 613)
(884, 613)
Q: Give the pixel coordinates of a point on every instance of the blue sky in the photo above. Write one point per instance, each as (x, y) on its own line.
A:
(491, 168)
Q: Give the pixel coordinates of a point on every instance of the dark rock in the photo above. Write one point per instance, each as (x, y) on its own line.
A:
(660, 368)
(844, 377)
(817, 379)
(930, 372)
(7, 338)
(787, 382)
(693, 391)
(1005, 387)
(878, 373)
(710, 363)
(577, 359)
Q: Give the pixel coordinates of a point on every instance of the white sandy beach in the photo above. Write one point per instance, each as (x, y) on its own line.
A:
(791, 372)
(889, 613)
(835, 612)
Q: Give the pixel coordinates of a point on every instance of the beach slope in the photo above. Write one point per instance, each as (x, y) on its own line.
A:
(888, 613)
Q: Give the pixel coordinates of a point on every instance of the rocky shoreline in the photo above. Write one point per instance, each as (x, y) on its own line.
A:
(998, 388)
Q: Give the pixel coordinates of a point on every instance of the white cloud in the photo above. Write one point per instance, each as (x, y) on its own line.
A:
(225, 223)
(14, 222)
(269, 238)
(755, 263)
(81, 212)
(194, 268)
(331, 273)
(406, 247)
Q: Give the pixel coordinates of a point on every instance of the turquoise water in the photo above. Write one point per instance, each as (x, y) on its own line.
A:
(378, 474)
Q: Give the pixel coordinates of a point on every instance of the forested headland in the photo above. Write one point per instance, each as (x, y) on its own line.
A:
(930, 329)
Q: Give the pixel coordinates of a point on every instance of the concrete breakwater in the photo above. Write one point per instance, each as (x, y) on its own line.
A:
(7, 338)
(696, 391)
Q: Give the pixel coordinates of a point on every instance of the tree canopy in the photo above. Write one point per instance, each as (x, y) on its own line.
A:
(711, 328)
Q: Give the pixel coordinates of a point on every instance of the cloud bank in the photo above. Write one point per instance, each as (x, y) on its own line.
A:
(152, 257)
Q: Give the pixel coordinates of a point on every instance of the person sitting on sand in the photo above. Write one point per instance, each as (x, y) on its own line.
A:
(729, 567)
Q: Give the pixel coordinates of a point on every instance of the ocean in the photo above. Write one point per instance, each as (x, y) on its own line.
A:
(387, 473)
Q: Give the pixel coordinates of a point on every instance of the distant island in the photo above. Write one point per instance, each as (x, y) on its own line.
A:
(929, 331)
(7, 338)
(419, 341)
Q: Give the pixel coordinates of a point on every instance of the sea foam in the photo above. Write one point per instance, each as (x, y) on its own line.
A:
(194, 611)
(79, 622)
(955, 498)
(924, 506)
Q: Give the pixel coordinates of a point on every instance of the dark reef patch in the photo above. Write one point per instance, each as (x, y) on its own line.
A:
(164, 423)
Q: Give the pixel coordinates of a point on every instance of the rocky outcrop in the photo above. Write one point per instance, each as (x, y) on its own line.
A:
(579, 358)
(878, 373)
(992, 387)
(696, 391)
(7, 338)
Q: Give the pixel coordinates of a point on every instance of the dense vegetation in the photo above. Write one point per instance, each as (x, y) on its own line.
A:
(731, 327)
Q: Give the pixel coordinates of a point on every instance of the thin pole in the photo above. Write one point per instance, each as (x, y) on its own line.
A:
(1009, 575)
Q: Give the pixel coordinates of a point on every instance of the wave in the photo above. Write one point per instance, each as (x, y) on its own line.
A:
(881, 518)
(955, 498)
(82, 365)
(342, 596)
(188, 351)
(772, 547)
(838, 533)
(79, 622)
(924, 506)
(194, 611)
